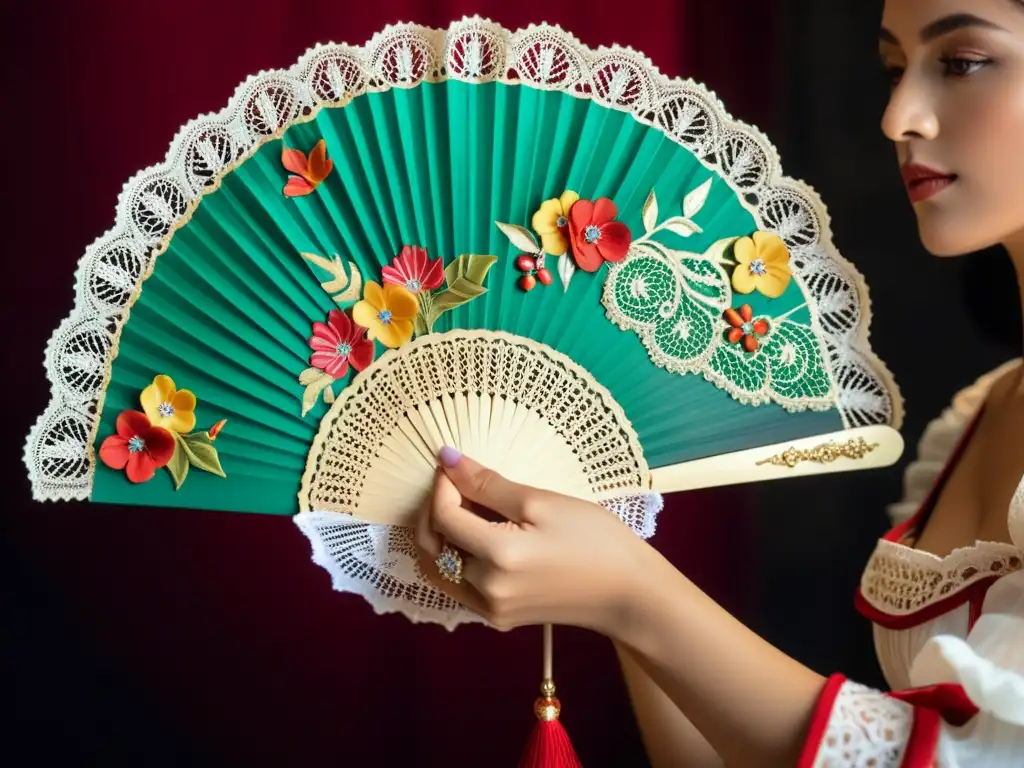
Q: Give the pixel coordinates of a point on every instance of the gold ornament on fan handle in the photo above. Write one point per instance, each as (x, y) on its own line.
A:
(822, 454)
(847, 450)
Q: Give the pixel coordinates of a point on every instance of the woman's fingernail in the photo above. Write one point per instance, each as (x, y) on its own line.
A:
(449, 456)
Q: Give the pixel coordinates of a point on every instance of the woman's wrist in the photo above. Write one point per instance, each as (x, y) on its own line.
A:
(646, 580)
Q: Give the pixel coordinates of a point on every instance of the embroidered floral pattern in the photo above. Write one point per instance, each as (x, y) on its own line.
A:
(762, 264)
(744, 328)
(138, 448)
(307, 173)
(414, 270)
(675, 301)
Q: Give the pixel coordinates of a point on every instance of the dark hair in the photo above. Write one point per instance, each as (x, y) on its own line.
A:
(992, 294)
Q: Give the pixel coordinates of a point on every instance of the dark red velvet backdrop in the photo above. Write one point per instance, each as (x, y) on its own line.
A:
(185, 638)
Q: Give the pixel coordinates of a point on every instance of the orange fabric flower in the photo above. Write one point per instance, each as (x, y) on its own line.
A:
(307, 172)
(139, 448)
(745, 328)
(386, 313)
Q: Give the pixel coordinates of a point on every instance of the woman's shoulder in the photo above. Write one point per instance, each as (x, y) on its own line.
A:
(941, 437)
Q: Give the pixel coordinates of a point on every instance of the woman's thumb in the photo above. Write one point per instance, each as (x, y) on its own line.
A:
(482, 485)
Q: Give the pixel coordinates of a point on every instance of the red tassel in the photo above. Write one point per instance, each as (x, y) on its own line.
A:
(549, 745)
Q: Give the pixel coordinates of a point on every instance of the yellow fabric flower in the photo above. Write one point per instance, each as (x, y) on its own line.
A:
(386, 313)
(169, 407)
(762, 264)
(551, 222)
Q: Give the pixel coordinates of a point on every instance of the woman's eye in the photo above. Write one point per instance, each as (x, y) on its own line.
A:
(963, 67)
(893, 75)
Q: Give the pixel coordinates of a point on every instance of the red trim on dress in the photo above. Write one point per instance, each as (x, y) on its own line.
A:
(975, 594)
(912, 525)
(819, 720)
(950, 700)
(924, 735)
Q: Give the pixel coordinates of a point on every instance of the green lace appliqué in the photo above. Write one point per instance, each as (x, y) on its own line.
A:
(674, 301)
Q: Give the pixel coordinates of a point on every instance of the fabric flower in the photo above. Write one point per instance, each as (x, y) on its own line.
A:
(139, 448)
(307, 172)
(168, 407)
(387, 313)
(338, 343)
(415, 270)
(745, 328)
(595, 236)
(762, 263)
(551, 222)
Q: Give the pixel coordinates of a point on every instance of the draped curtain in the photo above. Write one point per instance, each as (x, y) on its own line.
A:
(177, 637)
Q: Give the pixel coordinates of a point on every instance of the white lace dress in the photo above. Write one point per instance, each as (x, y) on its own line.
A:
(949, 633)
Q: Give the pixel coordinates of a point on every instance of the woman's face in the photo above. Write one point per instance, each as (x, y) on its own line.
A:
(956, 115)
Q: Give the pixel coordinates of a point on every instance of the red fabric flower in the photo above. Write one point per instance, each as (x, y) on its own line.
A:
(744, 327)
(139, 448)
(594, 235)
(338, 343)
(414, 270)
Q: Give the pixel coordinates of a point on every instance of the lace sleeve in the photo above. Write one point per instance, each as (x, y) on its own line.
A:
(854, 726)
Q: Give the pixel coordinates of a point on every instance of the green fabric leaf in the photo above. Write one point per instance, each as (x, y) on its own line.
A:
(201, 454)
(473, 267)
(465, 277)
(178, 465)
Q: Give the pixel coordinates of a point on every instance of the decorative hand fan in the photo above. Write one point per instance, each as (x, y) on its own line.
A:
(555, 259)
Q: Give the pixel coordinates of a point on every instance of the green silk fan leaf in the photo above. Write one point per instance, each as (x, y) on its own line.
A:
(458, 166)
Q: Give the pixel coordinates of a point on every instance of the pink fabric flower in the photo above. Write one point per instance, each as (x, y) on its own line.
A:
(414, 270)
(338, 343)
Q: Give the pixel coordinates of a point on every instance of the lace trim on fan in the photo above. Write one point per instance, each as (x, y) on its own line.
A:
(379, 562)
(59, 453)
(485, 362)
(866, 729)
(900, 581)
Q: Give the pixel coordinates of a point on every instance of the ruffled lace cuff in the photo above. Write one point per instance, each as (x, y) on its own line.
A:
(854, 725)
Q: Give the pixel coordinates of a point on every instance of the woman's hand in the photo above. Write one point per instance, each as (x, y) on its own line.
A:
(546, 559)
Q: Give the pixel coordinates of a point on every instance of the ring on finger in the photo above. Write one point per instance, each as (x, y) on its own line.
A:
(449, 564)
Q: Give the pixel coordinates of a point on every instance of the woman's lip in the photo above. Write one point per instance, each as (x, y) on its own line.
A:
(926, 188)
(923, 182)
